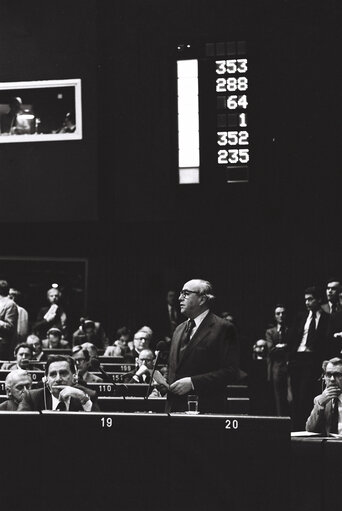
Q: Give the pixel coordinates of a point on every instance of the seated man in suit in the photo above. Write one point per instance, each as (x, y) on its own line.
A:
(60, 391)
(36, 346)
(54, 340)
(204, 353)
(23, 355)
(141, 341)
(145, 368)
(326, 415)
(16, 383)
(82, 359)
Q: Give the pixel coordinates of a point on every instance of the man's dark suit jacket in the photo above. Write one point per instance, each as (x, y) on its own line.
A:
(320, 418)
(210, 359)
(8, 406)
(326, 308)
(41, 399)
(322, 347)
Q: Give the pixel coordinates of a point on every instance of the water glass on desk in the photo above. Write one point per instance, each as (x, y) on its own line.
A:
(192, 404)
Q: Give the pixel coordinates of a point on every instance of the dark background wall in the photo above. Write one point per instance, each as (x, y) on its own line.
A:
(113, 197)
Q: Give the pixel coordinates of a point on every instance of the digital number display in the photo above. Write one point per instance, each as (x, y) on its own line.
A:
(212, 100)
(231, 87)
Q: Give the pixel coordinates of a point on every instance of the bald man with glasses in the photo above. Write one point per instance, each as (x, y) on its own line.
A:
(204, 353)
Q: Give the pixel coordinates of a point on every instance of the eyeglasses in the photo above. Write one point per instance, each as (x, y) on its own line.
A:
(335, 375)
(186, 293)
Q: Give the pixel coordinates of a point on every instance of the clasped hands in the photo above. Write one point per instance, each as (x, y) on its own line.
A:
(67, 392)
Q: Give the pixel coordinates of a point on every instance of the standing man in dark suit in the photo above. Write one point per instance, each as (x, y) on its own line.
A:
(276, 338)
(204, 353)
(333, 290)
(309, 346)
(8, 322)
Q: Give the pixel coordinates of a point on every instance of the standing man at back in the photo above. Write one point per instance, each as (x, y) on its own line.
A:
(204, 353)
(309, 346)
(8, 322)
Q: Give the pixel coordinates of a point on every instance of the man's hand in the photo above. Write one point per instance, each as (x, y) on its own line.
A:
(51, 313)
(182, 386)
(329, 393)
(142, 370)
(67, 392)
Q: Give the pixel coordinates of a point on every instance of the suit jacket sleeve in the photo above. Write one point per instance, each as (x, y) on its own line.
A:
(26, 404)
(227, 357)
(317, 421)
(8, 322)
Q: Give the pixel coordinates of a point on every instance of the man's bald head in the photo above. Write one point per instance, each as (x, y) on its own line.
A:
(195, 297)
(17, 381)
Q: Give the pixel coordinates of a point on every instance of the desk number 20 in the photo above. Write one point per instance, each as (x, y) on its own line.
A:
(234, 424)
(106, 422)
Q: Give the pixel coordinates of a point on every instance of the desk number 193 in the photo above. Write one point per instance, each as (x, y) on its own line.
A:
(106, 422)
(232, 424)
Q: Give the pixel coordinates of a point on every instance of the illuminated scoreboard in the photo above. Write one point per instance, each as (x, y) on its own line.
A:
(212, 92)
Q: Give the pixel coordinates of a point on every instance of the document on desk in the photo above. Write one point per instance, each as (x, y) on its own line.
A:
(304, 433)
(159, 378)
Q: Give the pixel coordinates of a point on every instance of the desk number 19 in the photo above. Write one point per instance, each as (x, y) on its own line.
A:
(106, 422)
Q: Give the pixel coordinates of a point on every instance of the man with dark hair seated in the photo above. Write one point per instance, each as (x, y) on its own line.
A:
(326, 415)
(60, 391)
(16, 383)
(82, 359)
(36, 346)
(54, 340)
(22, 354)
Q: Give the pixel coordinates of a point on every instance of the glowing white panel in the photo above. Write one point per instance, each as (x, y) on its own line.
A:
(188, 121)
(189, 176)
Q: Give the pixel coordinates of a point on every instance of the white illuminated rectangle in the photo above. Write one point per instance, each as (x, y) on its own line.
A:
(188, 176)
(188, 121)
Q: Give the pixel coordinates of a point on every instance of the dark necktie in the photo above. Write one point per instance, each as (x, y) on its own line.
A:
(186, 335)
(310, 340)
(334, 416)
(61, 407)
(333, 308)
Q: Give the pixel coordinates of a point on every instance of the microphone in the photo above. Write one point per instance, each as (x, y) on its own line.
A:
(161, 346)
(121, 388)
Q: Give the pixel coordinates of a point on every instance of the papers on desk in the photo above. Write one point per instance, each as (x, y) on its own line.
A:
(159, 378)
(303, 433)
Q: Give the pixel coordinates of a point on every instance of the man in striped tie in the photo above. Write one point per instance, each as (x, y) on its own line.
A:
(204, 353)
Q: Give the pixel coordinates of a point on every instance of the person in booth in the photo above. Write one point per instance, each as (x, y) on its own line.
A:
(22, 354)
(16, 383)
(51, 316)
(54, 340)
(60, 390)
(204, 353)
(326, 415)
